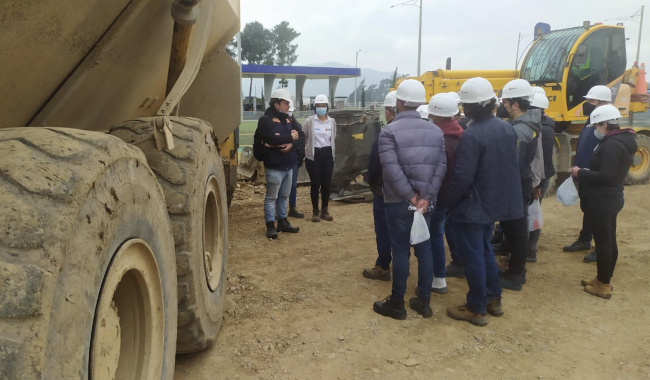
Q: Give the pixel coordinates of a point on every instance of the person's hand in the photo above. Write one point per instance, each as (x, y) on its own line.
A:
(284, 148)
(574, 171)
(537, 193)
(422, 204)
(414, 200)
(294, 134)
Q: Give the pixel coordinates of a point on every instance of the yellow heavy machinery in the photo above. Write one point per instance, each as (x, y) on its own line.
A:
(116, 145)
(567, 63)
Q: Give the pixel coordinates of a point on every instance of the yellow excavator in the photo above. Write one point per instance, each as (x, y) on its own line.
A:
(567, 63)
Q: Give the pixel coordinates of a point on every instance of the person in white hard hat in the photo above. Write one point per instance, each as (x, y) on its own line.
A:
(516, 97)
(424, 112)
(442, 108)
(299, 147)
(597, 96)
(381, 270)
(602, 185)
(273, 144)
(413, 160)
(484, 188)
(320, 133)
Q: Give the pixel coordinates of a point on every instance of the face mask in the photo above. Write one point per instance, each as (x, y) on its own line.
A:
(502, 112)
(588, 108)
(597, 133)
(290, 113)
(321, 111)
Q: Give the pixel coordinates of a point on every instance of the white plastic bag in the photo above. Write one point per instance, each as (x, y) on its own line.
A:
(567, 194)
(419, 229)
(535, 221)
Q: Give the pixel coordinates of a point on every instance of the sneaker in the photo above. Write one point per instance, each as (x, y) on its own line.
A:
(390, 308)
(455, 269)
(494, 307)
(591, 258)
(377, 273)
(439, 286)
(271, 233)
(599, 289)
(422, 306)
(294, 213)
(512, 282)
(577, 246)
(461, 313)
(315, 216)
(532, 257)
(325, 215)
(285, 226)
(501, 249)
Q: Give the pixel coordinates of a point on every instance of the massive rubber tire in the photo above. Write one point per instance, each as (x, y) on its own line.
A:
(193, 181)
(552, 183)
(640, 170)
(86, 260)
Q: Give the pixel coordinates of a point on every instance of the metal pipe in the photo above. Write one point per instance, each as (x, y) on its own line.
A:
(638, 46)
(420, 40)
(356, 63)
(185, 14)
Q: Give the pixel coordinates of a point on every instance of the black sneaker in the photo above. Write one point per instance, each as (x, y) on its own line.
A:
(294, 213)
(512, 282)
(422, 306)
(577, 246)
(532, 257)
(390, 308)
(271, 233)
(591, 258)
(455, 269)
(285, 226)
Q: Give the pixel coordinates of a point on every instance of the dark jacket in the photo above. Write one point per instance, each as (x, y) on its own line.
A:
(375, 179)
(609, 165)
(452, 132)
(587, 143)
(298, 145)
(413, 160)
(527, 127)
(548, 142)
(486, 186)
(274, 128)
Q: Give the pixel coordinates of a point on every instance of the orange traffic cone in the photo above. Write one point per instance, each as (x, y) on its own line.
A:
(641, 85)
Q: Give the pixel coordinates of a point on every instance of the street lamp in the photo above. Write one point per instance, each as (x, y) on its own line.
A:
(414, 3)
(356, 63)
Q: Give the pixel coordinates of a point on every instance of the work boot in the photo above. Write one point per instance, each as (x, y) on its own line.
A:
(461, 313)
(532, 256)
(315, 216)
(591, 258)
(294, 213)
(377, 273)
(494, 307)
(577, 246)
(599, 289)
(455, 269)
(593, 281)
(285, 226)
(503, 263)
(390, 308)
(271, 233)
(501, 249)
(439, 286)
(422, 306)
(512, 282)
(325, 215)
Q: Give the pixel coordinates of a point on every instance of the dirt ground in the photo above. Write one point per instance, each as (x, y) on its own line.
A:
(299, 308)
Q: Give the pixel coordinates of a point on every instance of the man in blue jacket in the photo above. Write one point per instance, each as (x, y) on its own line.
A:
(413, 160)
(485, 187)
(587, 142)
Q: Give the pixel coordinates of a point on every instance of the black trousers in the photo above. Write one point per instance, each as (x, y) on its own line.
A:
(516, 233)
(601, 217)
(585, 233)
(320, 175)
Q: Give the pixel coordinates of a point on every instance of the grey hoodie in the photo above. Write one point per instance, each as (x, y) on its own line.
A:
(528, 127)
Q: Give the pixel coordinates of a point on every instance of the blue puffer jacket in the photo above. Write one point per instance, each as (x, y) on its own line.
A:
(486, 185)
(587, 143)
(413, 159)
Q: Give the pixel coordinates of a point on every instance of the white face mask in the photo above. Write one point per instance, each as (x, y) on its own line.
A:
(598, 135)
(290, 113)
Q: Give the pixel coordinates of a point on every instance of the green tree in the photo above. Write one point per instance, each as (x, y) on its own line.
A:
(285, 51)
(256, 46)
(363, 97)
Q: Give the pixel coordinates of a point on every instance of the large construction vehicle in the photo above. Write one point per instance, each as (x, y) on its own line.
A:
(567, 63)
(113, 209)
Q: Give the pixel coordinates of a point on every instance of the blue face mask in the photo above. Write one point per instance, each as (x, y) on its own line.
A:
(321, 111)
(598, 135)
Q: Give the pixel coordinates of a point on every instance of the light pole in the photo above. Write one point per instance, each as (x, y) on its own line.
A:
(638, 46)
(414, 3)
(356, 63)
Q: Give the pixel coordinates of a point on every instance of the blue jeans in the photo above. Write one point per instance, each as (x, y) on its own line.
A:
(381, 232)
(294, 186)
(278, 187)
(401, 220)
(437, 232)
(449, 234)
(473, 241)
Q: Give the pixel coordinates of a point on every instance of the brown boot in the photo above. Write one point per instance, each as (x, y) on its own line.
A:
(494, 307)
(325, 215)
(315, 216)
(599, 289)
(592, 282)
(377, 273)
(461, 313)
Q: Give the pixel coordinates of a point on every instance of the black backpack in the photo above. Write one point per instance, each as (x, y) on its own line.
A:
(259, 150)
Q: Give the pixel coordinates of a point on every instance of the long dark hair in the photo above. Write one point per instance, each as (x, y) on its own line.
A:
(478, 112)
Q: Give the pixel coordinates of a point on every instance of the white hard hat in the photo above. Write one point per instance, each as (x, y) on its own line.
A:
(281, 93)
(453, 95)
(476, 90)
(602, 93)
(391, 100)
(607, 113)
(321, 99)
(539, 90)
(517, 88)
(291, 107)
(443, 105)
(539, 101)
(424, 111)
(411, 92)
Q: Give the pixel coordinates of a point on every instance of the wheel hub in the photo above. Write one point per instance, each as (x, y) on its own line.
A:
(212, 235)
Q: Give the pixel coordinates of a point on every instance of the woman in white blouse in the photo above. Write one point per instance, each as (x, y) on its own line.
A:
(320, 132)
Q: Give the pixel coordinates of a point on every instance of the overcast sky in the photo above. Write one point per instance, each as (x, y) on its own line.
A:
(477, 34)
